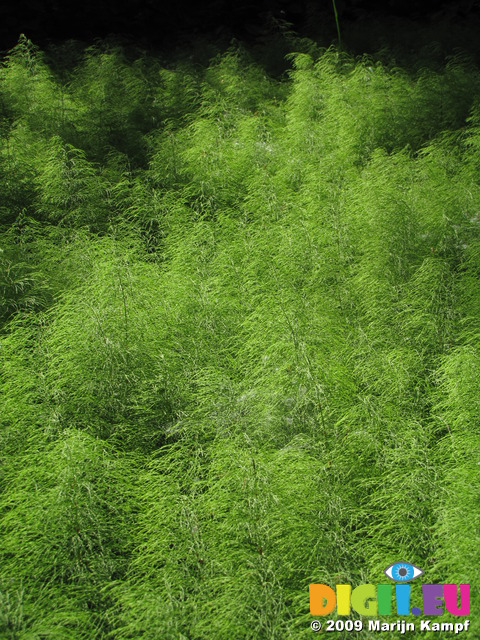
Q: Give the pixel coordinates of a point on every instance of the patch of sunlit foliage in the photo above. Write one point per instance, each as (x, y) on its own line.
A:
(239, 339)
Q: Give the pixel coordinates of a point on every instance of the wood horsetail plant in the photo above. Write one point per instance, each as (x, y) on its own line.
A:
(239, 338)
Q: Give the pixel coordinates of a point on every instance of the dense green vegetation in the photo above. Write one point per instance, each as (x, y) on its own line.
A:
(240, 323)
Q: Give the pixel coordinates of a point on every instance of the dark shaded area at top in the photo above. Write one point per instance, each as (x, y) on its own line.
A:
(162, 25)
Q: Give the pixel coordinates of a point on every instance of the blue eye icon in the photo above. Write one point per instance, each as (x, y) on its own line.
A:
(402, 572)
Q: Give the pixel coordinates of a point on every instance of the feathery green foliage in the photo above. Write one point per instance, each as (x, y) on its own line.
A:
(239, 341)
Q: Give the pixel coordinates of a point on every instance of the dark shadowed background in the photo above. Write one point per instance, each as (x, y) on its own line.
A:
(157, 24)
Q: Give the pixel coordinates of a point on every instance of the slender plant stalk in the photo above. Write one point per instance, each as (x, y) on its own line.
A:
(338, 24)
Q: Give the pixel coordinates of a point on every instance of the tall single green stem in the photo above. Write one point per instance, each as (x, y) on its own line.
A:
(338, 24)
